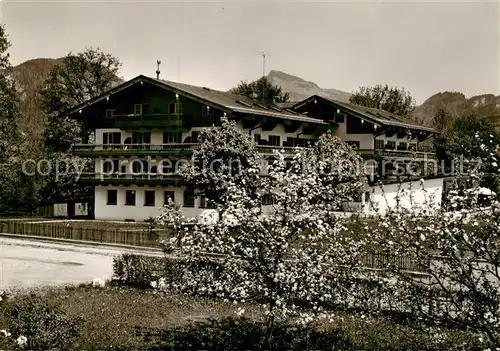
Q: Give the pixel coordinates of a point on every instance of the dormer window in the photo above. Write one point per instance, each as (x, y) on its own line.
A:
(138, 110)
(110, 113)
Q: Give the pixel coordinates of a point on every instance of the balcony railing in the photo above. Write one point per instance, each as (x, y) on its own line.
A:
(397, 153)
(148, 120)
(119, 178)
(96, 150)
(176, 149)
(186, 149)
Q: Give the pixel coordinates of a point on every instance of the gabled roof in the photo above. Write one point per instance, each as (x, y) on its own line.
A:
(224, 100)
(376, 116)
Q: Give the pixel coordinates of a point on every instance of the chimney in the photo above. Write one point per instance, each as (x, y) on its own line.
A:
(158, 62)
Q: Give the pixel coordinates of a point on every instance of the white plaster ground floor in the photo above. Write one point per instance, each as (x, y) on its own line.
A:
(138, 203)
(411, 195)
(144, 205)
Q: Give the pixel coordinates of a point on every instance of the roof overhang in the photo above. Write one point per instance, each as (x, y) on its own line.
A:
(377, 121)
(104, 95)
(291, 117)
(140, 80)
(227, 108)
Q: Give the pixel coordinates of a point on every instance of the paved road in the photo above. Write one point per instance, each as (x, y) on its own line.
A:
(29, 264)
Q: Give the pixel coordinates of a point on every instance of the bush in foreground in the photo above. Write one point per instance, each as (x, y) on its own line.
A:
(351, 335)
(117, 318)
(45, 326)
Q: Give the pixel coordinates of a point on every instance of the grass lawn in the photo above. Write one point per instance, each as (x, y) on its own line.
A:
(121, 318)
(112, 316)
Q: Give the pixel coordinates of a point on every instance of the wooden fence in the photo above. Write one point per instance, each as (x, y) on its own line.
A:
(136, 237)
(150, 238)
(381, 261)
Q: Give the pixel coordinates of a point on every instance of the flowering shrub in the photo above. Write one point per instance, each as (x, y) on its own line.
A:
(135, 270)
(226, 155)
(459, 252)
(286, 255)
(280, 243)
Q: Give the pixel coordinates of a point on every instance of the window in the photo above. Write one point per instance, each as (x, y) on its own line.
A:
(149, 197)
(110, 113)
(290, 142)
(175, 109)
(353, 143)
(203, 202)
(367, 196)
(413, 147)
(339, 118)
(379, 144)
(194, 137)
(167, 166)
(146, 166)
(130, 197)
(206, 111)
(391, 145)
(110, 166)
(206, 203)
(112, 197)
(274, 140)
(141, 138)
(267, 199)
(402, 146)
(111, 138)
(138, 110)
(188, 198)
(138, 167)
(256, 138)
(170, 137)
(169, 195)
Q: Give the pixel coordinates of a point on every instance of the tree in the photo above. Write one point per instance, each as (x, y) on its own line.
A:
(442, 121)
(463, 136)
(9, 111)
(261, 90)
(459, 282)
(285, 254)
(16, 189)
(391, 99)
(454, 254)
(78, 78)
(226, 155)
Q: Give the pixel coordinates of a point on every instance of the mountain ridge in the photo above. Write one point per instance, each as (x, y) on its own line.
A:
(29, 77)
(484, 105)
(300, 89)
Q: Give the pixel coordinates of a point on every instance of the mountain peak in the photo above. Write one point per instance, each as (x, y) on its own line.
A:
(300, 89)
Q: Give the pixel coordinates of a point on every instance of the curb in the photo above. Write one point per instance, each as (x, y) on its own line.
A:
(80, 242)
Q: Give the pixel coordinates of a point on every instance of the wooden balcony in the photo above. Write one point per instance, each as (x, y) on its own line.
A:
(130, 179)
(108, 150)
(396, 154)
(153, 120)
(171, 150)
(180, 150)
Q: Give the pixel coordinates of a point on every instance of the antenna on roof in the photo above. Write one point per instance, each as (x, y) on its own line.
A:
(263, 75)
(158, 63)
(263, 63)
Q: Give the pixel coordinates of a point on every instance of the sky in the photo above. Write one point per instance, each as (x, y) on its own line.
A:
(425, 47)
